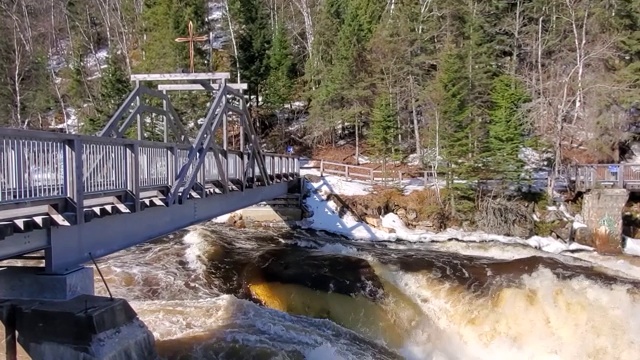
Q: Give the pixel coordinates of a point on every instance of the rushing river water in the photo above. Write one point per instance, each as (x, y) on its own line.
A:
(213, 292)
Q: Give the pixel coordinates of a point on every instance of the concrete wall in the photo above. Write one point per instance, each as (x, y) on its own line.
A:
(269, 214)
(22, 282)
(283, 209)
(602, 213)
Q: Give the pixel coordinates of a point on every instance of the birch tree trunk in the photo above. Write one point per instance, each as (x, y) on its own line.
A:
(415, 118)
(233, 38)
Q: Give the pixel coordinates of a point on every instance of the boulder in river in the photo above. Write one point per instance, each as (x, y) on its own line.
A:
(325, 272)
(607, 243)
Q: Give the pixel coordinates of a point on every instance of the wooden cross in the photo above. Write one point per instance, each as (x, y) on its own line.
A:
(191, 39)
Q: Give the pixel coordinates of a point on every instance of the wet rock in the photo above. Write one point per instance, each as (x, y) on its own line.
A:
(583, 236)
(236, 221)
(373, 221)
(324, 272)
(553, 216)
(562, 231)
(388, 230)
(521, 231)
(240, 224)
(426, 226)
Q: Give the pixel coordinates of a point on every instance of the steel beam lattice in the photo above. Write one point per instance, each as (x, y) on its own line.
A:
(61, 192)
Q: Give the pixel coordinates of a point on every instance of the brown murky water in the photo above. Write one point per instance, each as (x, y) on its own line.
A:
(213, 292)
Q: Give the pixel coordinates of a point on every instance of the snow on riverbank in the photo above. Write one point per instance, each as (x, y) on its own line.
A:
(325, 217)
(632, 246)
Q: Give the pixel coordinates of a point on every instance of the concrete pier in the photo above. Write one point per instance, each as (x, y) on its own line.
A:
(86, 327)
(602, 213)
(285, 209)
(22, 282)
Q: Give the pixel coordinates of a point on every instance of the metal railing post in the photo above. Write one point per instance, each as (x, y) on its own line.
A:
(133, 173)
(172, 159)
(20, 174)
(74, 176)
(241, 172)
(201, 175)
(273, 167)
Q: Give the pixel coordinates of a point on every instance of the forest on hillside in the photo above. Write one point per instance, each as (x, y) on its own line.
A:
(469, 82)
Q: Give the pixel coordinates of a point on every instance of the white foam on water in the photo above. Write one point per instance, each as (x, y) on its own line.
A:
(234, 321)
(544, 318)
(339, 249)
(197, 246)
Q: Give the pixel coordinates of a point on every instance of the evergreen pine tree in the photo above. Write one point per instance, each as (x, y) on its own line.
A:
(77, 91)
(506, 134)
(457, 141)
(253, 41)
(114, 88)
(279, 86)
(383, 131)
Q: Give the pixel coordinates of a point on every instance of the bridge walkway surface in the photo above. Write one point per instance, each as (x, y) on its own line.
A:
(80, 198)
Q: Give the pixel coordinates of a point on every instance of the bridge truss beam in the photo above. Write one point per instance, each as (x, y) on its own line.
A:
(79, 196)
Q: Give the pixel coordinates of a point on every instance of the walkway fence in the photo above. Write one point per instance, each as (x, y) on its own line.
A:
(373, 176)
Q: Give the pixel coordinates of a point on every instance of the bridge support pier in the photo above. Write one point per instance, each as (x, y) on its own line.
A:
(87, 327)
(57, 316)
(602, 213)
(23, 282)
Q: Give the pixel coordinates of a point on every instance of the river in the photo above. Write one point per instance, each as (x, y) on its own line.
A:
(265, 293)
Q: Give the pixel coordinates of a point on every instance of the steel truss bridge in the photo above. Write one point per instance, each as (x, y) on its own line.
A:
(81, 197)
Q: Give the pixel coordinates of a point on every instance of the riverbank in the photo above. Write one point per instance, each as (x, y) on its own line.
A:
(362, 212)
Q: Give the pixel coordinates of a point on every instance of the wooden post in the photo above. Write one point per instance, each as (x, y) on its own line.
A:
(357, 143)
(346, 172)
(621, 176)
(321, 168)
(425, 180)
(400, 176)
(371, 176)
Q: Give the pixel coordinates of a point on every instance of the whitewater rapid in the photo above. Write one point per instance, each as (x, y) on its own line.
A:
(206, 294)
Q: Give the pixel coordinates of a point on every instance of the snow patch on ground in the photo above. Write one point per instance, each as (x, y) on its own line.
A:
(632, 246)
(325, 217)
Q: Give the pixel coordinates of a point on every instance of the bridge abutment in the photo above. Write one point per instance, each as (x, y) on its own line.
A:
(602, 212)
(86, 327)
(57, 316)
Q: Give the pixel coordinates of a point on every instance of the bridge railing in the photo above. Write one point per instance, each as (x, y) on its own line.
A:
(591, 176)
(36, 165)
(371, 175)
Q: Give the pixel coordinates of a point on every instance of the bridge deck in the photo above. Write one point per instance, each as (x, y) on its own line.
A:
(83, 197)
(91, 196)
